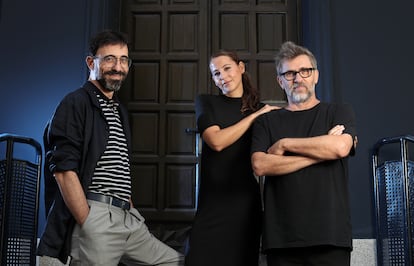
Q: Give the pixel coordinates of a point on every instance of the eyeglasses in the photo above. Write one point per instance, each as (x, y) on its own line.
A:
(113, 60)
(303, 72)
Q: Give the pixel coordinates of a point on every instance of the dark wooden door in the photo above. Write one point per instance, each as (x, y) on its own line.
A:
(171, 42)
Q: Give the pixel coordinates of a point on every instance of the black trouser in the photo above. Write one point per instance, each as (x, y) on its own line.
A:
(307, 256)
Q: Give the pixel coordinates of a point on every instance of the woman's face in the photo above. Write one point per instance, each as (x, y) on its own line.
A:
(227, 75)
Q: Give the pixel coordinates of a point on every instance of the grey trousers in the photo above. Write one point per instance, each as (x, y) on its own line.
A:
(111, 235)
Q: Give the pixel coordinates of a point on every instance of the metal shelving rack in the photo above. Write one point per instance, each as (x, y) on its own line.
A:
(19, 197)
(394, 200)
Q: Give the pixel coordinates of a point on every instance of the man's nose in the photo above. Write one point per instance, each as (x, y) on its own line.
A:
(297, 77)
(117, 64)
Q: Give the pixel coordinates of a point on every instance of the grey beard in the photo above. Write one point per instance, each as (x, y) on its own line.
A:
(300, 98)
(112, 86)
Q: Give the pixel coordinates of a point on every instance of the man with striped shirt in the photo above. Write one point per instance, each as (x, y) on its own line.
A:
(87, 142)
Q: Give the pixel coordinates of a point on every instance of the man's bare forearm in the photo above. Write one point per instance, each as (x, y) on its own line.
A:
(265, 164)
(73, 195)
(326, 147)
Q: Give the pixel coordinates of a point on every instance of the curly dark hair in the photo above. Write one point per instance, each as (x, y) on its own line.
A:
(251, 95)
(107, 37)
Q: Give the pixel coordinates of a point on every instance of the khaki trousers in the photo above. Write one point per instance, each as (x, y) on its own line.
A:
(111, 235)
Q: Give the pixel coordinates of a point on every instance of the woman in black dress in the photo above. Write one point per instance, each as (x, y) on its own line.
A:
(227, 226)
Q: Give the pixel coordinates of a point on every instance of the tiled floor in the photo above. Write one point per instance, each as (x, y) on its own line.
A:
(364, 254)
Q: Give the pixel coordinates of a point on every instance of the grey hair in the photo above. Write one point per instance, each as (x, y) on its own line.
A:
(289, 50)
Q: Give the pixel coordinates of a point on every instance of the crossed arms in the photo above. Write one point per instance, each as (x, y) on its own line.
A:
(307, 151)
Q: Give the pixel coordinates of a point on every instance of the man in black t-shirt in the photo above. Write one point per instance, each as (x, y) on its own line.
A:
(303, 151)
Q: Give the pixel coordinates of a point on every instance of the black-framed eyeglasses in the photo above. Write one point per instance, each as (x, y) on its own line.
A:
(113, 60)
(303, 72)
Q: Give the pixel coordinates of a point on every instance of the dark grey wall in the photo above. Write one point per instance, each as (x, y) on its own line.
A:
(42, 51)
(43, 46)
(363, 48)
(373, 70)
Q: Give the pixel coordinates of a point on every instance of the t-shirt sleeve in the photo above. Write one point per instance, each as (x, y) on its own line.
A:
(345, 116)
(260, 135)
(204, 113)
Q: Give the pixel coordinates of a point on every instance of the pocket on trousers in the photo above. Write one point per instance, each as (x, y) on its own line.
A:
(91, 208)
(97, 219)
(134, 212)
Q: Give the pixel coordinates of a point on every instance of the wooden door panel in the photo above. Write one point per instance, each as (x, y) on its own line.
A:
(145, 186)
(234, 31)
(266, 80)
(148, 25)
(183, 33)
(146, 140)
(271, 32)
(180, 187)
(178, 142)
(145, 75)
(182, 79)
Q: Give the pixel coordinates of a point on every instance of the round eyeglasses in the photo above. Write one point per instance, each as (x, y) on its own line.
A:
(303, 72)
(113, 60)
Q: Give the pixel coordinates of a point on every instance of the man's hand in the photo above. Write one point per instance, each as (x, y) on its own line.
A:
(336, 130)
(276, 148)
